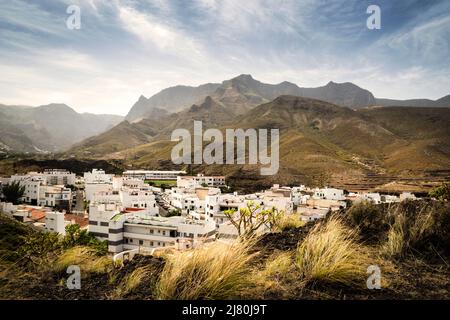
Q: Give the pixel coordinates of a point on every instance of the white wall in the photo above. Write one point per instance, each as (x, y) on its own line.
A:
(54, 221)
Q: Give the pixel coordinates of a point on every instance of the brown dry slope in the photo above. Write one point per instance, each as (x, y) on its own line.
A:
(320, 142)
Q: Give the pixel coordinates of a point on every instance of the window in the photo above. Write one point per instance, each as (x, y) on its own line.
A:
(141, 242)
(164, 233)
(151, 231)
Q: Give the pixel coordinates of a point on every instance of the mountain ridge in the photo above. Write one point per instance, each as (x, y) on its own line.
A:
(243, 92)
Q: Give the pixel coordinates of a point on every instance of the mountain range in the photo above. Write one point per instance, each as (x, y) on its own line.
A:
(337, 132)
(319, 139)
(48, 128)
(243, 93)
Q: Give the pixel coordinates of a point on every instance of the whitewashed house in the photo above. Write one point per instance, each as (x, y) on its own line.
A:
(199, 181)
(329, 194)
(54, 222)
(144, 232)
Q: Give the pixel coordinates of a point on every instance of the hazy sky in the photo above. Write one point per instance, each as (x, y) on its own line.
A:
(128, 48)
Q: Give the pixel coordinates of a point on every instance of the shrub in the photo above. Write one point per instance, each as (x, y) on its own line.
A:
(251, 218)
(418, 226)
(330, 254)
(75, 236)
(442, 192)
(40, 245)
(369, 219)
(215, 271)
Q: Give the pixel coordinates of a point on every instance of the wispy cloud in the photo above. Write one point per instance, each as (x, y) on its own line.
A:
(127, 47)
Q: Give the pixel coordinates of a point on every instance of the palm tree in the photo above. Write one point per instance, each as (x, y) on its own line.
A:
(12, 192)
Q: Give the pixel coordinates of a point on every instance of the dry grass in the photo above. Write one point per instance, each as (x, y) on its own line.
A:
(395, 242)
(132, 281)
(407, 230)
(278, 265)
(85, 258)
(274, 277)
(215, 271)
(289, 221)
(330, 254)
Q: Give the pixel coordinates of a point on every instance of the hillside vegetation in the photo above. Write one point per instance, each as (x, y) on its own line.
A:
(407, 242)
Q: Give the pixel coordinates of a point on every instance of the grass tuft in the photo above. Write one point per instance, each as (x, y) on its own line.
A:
(132, 281)
(331, 254)
(289, 221)
(84, 257)
(216, 271)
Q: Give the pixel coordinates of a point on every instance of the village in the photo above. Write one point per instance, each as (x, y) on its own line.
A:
(143, 211)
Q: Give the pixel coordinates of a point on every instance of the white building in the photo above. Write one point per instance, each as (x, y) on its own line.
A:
(55, 196)
(119, 182)
(298, 195)
(97, 176)
(199, 181)
(407, 195)
(389, 198)
(139, 198)
(91, 189)
(329, 194)
(144, 232)
(99, 216)
(54, 221)
(50, 176)
(373, 197)
(47, 188)
(59, 177)
(152, 175)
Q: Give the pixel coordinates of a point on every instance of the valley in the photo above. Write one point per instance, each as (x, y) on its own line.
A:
(347, 142)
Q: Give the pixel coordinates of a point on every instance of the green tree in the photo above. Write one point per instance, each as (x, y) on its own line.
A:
(13, 191)
(249, 219)
(75, 236)
(442, 192)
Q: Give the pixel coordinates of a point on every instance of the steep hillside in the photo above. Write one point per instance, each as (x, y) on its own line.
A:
(320, 142)
(172, 99)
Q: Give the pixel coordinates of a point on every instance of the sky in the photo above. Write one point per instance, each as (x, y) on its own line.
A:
(127, 48)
